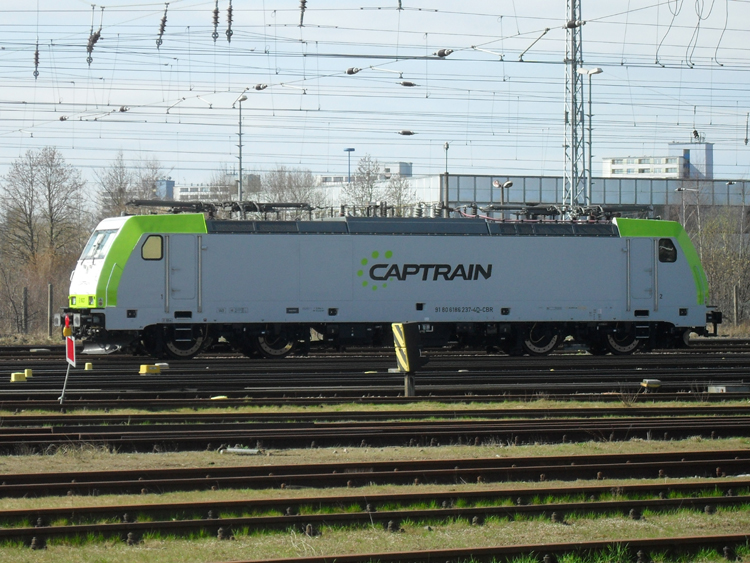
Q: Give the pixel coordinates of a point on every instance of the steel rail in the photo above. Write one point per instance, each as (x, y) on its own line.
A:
(678, 544)
(347, 377)
(305, 434)
(724, 492)
(165, 401)
(721, 343)
(69, 420)
(389, 518)
(499, 470)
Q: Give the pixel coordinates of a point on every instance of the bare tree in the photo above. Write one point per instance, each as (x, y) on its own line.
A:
(45, 226)
(43, 198)
(21, 208)
(115, 188)
(400, 194)
(145, 176)
(726, 260)
(61, 188)
(223, 185)
(363, 189)
(292, 185)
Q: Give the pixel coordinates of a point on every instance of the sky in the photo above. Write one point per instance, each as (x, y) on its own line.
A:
(168, 88)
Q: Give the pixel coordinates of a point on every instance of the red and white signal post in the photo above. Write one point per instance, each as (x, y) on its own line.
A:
(70, 353)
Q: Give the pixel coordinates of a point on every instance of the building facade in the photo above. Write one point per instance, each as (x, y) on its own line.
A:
(683, 160)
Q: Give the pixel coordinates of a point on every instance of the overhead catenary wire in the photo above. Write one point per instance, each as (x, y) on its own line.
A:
(126, 65)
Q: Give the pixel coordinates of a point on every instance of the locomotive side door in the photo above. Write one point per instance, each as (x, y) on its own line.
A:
(182, 272)
(641, 272)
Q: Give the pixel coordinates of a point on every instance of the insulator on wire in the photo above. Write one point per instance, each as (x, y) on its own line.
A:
(302, 8)
(36, 61)
(93, 38)
(229, 31)
(215, 34)
(162, 26)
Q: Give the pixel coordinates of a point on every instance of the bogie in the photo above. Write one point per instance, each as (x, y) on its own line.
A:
(541, 338)
(622, 340)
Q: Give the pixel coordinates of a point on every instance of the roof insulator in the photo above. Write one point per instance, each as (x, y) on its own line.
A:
(302, 8)
(36, 61)
(162, 26)
(215, 34)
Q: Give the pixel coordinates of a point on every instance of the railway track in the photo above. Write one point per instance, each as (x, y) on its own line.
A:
(190, 518)
(635, 549)
(189, 436)
(462, 503)
(101, 419)
(116, 379)
(699, 345)
(309, 514)
(714, 465)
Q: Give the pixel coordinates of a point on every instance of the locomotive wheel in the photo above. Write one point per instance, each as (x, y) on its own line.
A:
(622, 342)
(541, 339)
(683, 341)
(275, 345)
(183, 342)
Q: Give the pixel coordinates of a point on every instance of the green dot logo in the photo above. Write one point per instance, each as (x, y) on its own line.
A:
(374, 255)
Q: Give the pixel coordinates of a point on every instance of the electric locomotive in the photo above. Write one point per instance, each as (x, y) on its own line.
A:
(171, 285)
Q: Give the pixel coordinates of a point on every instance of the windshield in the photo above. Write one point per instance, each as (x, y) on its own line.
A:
(99, 244)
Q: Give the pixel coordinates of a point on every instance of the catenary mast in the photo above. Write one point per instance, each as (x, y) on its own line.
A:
(574, 185)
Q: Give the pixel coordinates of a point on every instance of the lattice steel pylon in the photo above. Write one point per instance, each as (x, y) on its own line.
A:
(574, 186)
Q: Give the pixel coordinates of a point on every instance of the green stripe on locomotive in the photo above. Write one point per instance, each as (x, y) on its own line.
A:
(124, 245)
(669, 229)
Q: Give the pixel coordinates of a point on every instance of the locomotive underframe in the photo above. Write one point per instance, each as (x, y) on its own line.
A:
(276, 340)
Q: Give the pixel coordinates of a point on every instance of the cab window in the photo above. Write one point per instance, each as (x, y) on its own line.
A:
(98, 244)
(152, 248)
(667, 251)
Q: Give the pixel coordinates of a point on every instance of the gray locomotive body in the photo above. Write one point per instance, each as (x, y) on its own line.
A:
(520, 286)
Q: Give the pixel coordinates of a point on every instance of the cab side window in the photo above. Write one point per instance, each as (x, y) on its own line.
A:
(667, 251)
(152, 248)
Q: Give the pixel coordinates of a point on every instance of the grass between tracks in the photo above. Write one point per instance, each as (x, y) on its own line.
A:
(247, 544)
(423, 535)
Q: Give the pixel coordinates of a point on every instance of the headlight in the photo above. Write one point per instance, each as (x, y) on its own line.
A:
(91, 299)
(72, 300)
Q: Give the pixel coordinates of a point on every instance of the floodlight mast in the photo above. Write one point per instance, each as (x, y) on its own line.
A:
(239, 101)
(589, 152)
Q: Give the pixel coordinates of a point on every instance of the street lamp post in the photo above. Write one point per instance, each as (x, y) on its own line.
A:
(698, 215)
(589, 72)
(682, 193)
(239, 101)
(444, 196)
(349, 175)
